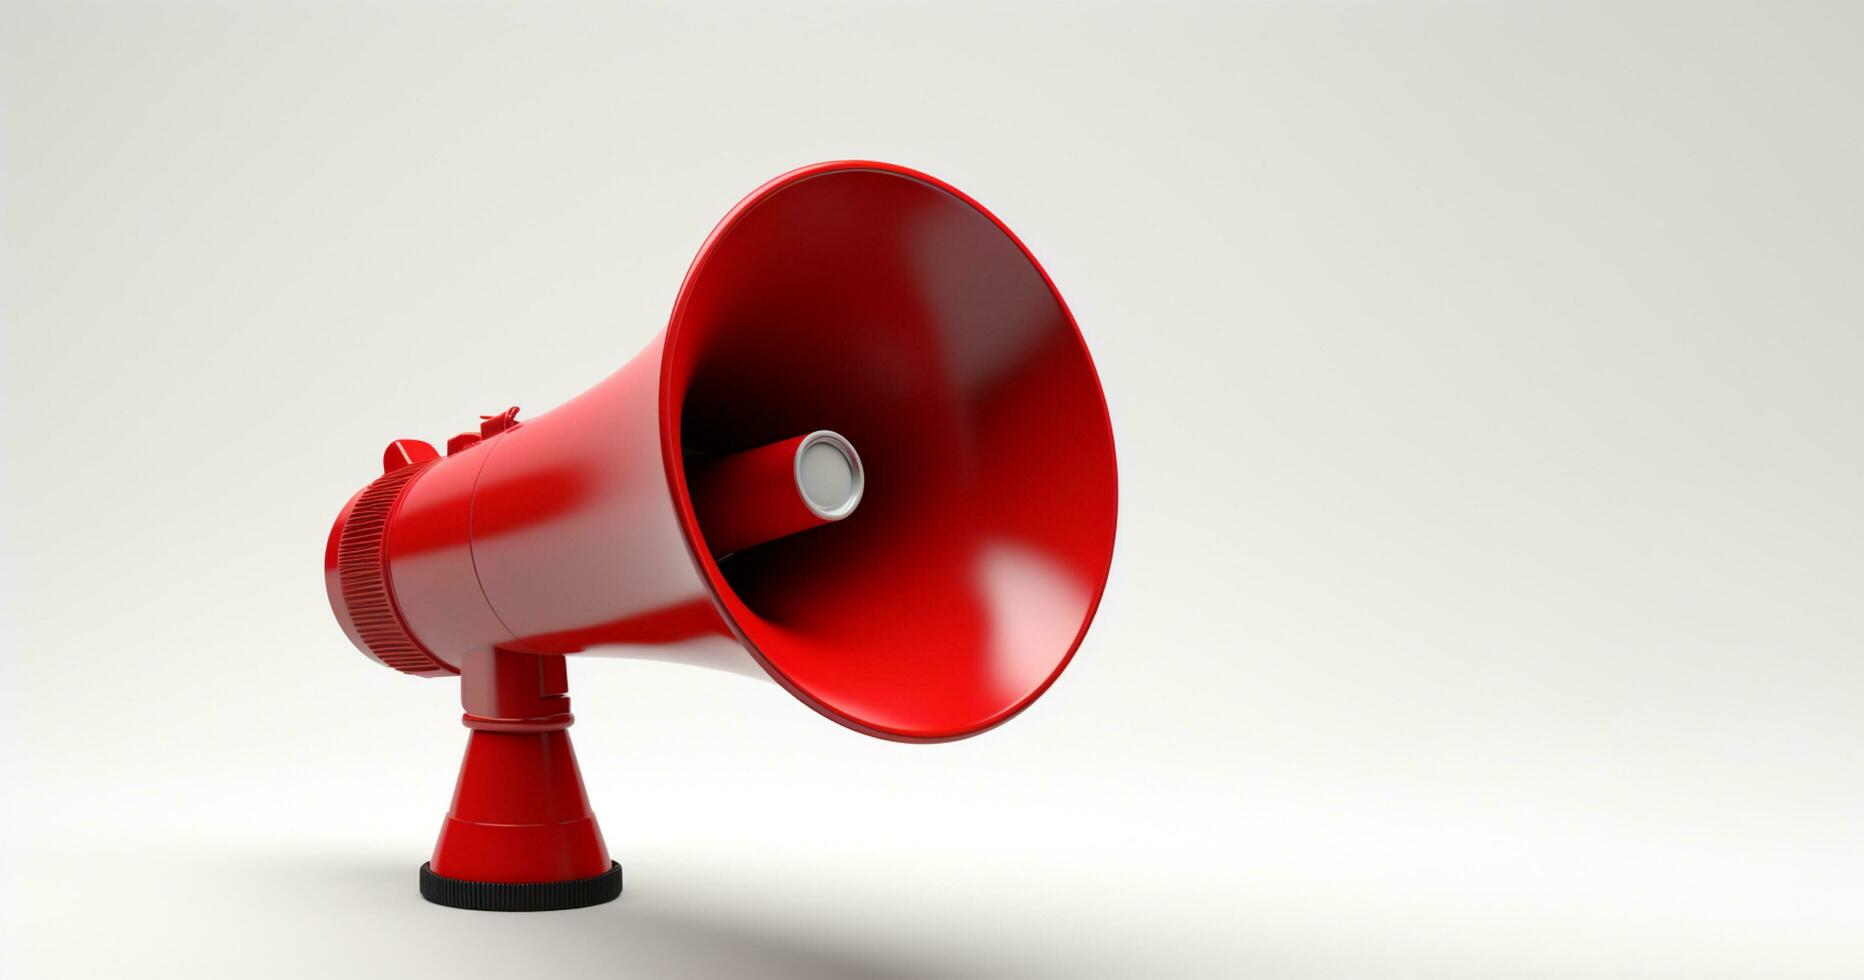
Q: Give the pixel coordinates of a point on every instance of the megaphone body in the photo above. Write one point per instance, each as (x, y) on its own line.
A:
(868, 459)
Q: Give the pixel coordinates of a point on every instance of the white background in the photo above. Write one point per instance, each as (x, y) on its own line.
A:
(1486, 384)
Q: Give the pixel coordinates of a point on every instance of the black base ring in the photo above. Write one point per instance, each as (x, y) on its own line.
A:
(543, 896)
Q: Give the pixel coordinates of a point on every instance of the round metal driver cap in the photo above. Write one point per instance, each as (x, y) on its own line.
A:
(828, 475)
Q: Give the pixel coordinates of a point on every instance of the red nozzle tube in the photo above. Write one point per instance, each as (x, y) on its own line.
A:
(759, 495)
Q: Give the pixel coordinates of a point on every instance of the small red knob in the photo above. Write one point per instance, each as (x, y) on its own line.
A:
(406, 452)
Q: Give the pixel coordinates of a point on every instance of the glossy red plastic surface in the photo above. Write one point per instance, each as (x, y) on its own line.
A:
(859, 297)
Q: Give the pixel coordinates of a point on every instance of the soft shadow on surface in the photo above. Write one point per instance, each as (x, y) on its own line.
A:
(640, 934)
(203, 905)
(329, 914)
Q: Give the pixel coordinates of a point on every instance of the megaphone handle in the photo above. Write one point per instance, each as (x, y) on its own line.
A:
(520, 835)
(507, 691)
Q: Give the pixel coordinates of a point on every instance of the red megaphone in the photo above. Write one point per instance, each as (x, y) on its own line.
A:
(868, 458)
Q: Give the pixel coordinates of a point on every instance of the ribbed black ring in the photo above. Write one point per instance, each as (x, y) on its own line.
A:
(545, 896)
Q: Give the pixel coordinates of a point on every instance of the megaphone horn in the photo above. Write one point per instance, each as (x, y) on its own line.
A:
(868, 459)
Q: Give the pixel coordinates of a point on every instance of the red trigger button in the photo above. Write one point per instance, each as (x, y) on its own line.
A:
(406, 452)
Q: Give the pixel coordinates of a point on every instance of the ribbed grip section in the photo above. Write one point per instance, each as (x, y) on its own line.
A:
(544, 896)
(362, 574)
